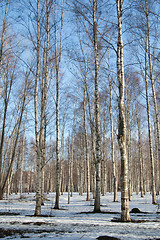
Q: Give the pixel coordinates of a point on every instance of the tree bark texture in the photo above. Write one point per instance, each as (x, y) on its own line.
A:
(122, 123)
(150, 134)
(69, 169)
(153, 91)
(87, 151)
(38, 151)
(112, 139)
(97, 121)
(57, 68)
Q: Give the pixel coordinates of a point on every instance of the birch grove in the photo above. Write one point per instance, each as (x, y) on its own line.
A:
(79, 91)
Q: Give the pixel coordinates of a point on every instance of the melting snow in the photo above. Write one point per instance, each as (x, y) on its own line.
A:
(72, 222)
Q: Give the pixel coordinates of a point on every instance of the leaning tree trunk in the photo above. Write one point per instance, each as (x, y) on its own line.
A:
(19, 121)
(122, 123)
(7, 93)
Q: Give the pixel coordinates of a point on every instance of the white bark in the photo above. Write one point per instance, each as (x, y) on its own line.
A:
(62, 157)
(122, 124)
(153, 92)
(150, 134)
(97, 121)
(87, 152)
(112, 139)
(39, 168)
(140, 154)
(81, 165)
(57, 63)
(69, 169)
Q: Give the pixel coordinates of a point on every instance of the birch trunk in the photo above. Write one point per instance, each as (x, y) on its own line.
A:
(22, 157)
(7, 93)
(72, 154)
(122, 123)
(92, 127)
(153, 91)
(44, 101)
(97, 121)
(112, 138)
(140, 154)
(38, 151)
(81, 165)
(103, 162)
(69, 169)
(157, 162)
(93, 164)
(2, 44)
(57, 67)
(62, 157)
(87, 152)
(9, 179)
(150, 134)
(41, 134)
(21, 170)
(128, 140)
(19, 121)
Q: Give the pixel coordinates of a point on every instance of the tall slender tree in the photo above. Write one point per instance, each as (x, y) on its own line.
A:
(38, 151)
(149, 131)
(122, 123)
(97, 120)
(57, 69)
(112, 136)
(147, 10)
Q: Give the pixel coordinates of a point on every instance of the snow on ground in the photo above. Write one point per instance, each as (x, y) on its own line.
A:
(72, 222)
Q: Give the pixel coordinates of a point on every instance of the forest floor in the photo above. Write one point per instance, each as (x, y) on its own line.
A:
(76, 220)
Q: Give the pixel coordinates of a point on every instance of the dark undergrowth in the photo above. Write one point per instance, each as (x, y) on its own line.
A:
(107, 238)
(23, 232)
(13, 232)
(42, 215)
(9, 214)
(134, 220)
(114, 238)
(103, 212)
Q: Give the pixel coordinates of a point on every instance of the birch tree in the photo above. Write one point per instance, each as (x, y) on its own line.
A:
(20, 111)
(97, 120)
(147, 10)
(140, 153)
(3, 44)
(149, 132)
(22, 157)
(122, 123)
(112, 138)
(38, 151)
(87, 150)
(69, 169)
(57, 69)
